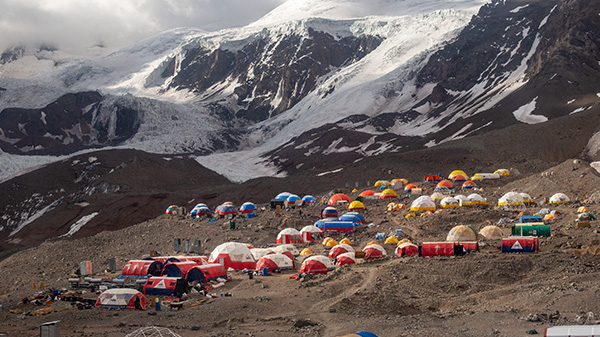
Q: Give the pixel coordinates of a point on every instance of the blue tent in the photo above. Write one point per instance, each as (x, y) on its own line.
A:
(309, 199)
(356, 214)
(247, 207)
(283, 196)
(335, 225)
(351, 217)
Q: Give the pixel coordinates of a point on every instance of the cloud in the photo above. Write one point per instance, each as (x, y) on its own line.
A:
(80, 24)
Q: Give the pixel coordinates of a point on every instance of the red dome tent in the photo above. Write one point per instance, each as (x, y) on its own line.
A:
(338, 198)
(199, 259)
(311, 233)
(317, 264)
(345, 258)
(178, 269)
(407, 249)
(275, 261)
(433, 178)
(374, 251)
(340, 249)
(289, 235)
(207, 272)
(233, 255)
(141, 268)
(367, 193)
(121, 298)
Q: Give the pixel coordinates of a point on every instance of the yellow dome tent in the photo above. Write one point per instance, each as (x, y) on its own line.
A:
(491, 232)
(331, 243)
(456, 173)
(325, 240)
(354, 190)
(502, 172)
(461, 233)
(306, 251)
(345, 241)
(372, 243)
(380, 183)
(392, 240)
(388, 193)
(356, 205)
(409, 215)
(582, 209)
(403, 241)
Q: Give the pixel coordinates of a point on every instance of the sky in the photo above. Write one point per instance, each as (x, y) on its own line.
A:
(79, 24)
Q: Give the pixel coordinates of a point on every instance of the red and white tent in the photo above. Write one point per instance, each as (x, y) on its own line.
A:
(407, 249)
(142, 268)
(199, 259)
(286, 248)
(340, 249)
(121, 298)
(258, 253)
(374, 251)
(317, 264)
(289, 235)
(311, 233)
(273, 261)
(345, 258)
(233, 255)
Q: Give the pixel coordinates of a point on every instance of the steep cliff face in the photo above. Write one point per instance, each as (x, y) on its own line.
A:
(71, 123)
(269, 73)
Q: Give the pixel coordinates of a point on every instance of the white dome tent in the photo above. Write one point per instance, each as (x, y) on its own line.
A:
(559, 198)
(449, 202)
(511, 199)
(152, 331)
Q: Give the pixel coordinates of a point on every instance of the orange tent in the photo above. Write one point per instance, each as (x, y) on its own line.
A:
(445, 183)
(409, 187)
(338, 198)
(367, 193)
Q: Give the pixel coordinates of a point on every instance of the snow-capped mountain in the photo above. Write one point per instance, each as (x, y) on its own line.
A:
(353, 78)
